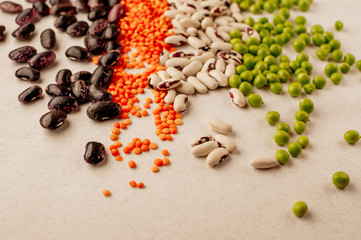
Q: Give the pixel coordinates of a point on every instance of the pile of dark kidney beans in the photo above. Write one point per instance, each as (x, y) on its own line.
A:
(70, 89)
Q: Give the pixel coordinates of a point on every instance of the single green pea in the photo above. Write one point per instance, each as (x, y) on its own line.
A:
(335, 44)
(252, 41)
(263, 45)
(340, 179)
(294, 65)
(351, 136)
(284, 58)
(274, 69)
(246, 76)
(266, 72)
(245, 88)
(336, 78)
(255, 73)
(330, 69)
(244, 5)
(319, 81)
(338, 25)
(299, 29)
(300, 208)
(280, 39)
(270, 6)
(250, 21)
(302, 116)
(299, 44)
(272, 117)
(281, 138)
(302, 57)
(240, 48)
(235, 33)
(309, 88)
(336, 55)
(255, 100)
(284, 127)
(284, 66)
(247, 55)
(307, 66)
(268, 40)
(349, 58)
(255, 9)
(303, 141)
(305, 37)
(258, 27)
(283, 75)
(240, 69)
(276, 50)
(262, 66)
(306, 105)
(328, 36)
(285, 12)
(234, 81)
(286, 3)
(278, 18)
(289, 30)
(260, 81)
(299, 127)
(303, 5)
(276, 88)
(318, 39)
(263, 52)
(358, 65)
(279, 28)
(249, 63)
(282, 156)
(295, 89)
(272, 78)
(270, 60)
(316, 29)
(253, 49)
(326, 47)
(233, 41)
(300, 20)
(299, 71)
(303, 78)
(263, 20)
(322, 54)
(344, 67)
(294, 149)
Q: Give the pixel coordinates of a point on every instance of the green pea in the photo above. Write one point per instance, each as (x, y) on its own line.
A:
(240, 48)
(278, 18)
(299, 209)
(303, 5)
(286, 3)
(245, 88)
(274, 68)
(263, 45)
(336, 78)
(255, 9)
(335, 44)
(260, 81)
(284, 58)
(344, 67)
(358, 65)
(275, 50)
(244, 5)
(279, 28)
(322, 54)
(234, 81)
(305, 37)
(250, 21)
(303, 141)
(299, 127)
(300, 20)
(281, 138)
(283, 75)
(299, 29)
(284, 66)
(282, 156)
(294, 65)
(263, 52)
(270, 7)
(341, 179)
(263, 20)
(255, 73)
(253, 49)
(258, 27)
(295, 89)
(272, 78)
(284, 127)
(302, 116)
(262, 66)
(270, 60)
(240, 69)
(318, 39)
(285, 12)
(319, 81)
(294, 149)
(272, 117)
(233, 41)
(351, 136)
(303, 78)
(338, 25)
(336, 55)
(280, 39)
(307, 66)
(289, 30)
(309, 88)
(349, 58)
(268, 40)
(249, 63)
(299, 71)
(252, 41)
(235, 33)
(255, 100)
(306, 105)
(328, 36)
(276, 88)
(316, 29)
(330, 69)
(299, 44)
(246, 76)
(326, 47)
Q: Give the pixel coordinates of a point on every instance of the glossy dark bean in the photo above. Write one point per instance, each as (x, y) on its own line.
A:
(103, 110)
(53, 119)
(98, 27)
(29, 15)
(112, 45)
(2, 32)
(102, 76)
(30, 94)
(63, 77)
(63, 103)
(24, 32)
(112, 3)
(22, 54)
(116, 13)
(54, 2)
(81, 75)
(57, 90)
(11, 7)
(79, 90)
(77, 29)
(42, 7)
(78, 54)
(111, 32)
(63, 22)
(42, 60)
(96, 3)
(80, 5)
(62, 9)
(98, 13)
(110, 58)
(94, 153)
(94, 44)
(27, 74)
(48, 38)
(98, 93)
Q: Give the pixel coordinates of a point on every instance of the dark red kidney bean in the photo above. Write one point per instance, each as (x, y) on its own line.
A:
(113, 45)
(27, 74)
(42, 60)
(42, 7)
(48, 38)
(54, 2)
(96, 3)
(98, 27)
(94, 44)
(22, 54)
(62, 9)
(81, 75)
(63, 77)
(24, 32)
(29, 15)
(98, 93)
(110, 58)
(103, 110)
(57, 90)
(112, 3)
(53, 119)
(11, 7)
(80, 5)
(111, 32)
(63, 22)
(2, 32)
(78, 54)
(98, 13)
(63, 103)
(116, 13)
(77, 29)
(102, 76)
(30, 94)
(79, 90)
(94, 153)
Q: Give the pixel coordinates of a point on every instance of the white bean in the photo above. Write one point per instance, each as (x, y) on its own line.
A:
(153, 80)
(222, 46)
(211, 33)
(226, 29)
(169, 84)
(180, 103)
(198, 86)
(191, 31)
(230, 70)
(220, 126)
(206, 22)
(220, 65)
(204, 149)
(220, 78)
(238, 16)
(195, 42)
(163, 57)
(192, 68)
(189, 22)
(176, 40)
(201, 139)
(225, 36)
(175, 73)
(225, 142)
(171, 13)
(200, 15)
(237, 97)
(203, 57)
(202, 36)
(264, 162)
(207, 80)
(169, 98)
(209, 65)
(163, 75)
(185, 88)
(217, 156)
(240, 26)
(177, 62)
(234, 8)
(177, 25)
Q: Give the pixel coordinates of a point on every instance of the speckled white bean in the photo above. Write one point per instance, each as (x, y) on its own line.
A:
(169, 84)
(163, 57)
(197, 84)
(180, 103)
(264, 162)
(219, 77)
(206, 22)
(169, 98)
(220, 126)
(211, 34)
(225, 36)
(176, 40)
(175, 73)
(192, 68)
(230, 70)
(200, 139)
(209, 65)
(220, 65)
(250, 33)
(185, 88)
(238, 16)
(204, 149)
(217, 156)
(207, 80)
(153, 80)
(225, 142)
(237, 97)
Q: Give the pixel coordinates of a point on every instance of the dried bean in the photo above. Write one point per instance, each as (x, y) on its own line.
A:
(112, 3)
(103, 110)
(204, 149)
(57, 90)
(264, 162)
(113, 45)
(163, 57)
(79, 90)
(220, 126)
(116, 13)
(24, 32)
(62, 77)
(30, 94)
(98, 27)
(80, 5)
(77, 29)
(2, 32)
(169, 98)
(207, 80)
(198, 86)
(53, 119)
(22, 54)
(219, 77)
(63, 9)
(27, 74)
(42, 60)
(96, 3)
(111, 32)
(29, 15)
(102, 76)
(237, 97)
(185, 88)
(110, 58)
(97, 13)
(63, 103)
(175, 73)
(168, 84)
(63, 22)
(225, 142)
(200, 139)
(81, 75)
(10, 7)
(78, 54)
(153, 81)
(48, 38)
(180, 103)
(94, 44)
(98, 93)
(42, 8)
(94, 153)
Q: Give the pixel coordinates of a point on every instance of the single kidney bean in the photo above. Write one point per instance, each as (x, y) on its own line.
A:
(94, 44)
(29, 15)
(22, 54)
(11, 7)
(81, 75)
(78, 54)
(98, 93)
(30, 94)
(53, 119)
(27, 74)
(24, 32)
(102, 76)
(63, 103)
(103, 110)
(62, 9)
(42, 8)
(63, 77)
(110, 58)
(79, 90)
(64, 21)
(42, 60)
(48, 38)
(77, 29)
(94, 153)
(57, 90)
(97, 13)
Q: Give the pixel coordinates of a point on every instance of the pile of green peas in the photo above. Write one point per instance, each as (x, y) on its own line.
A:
(256, 6)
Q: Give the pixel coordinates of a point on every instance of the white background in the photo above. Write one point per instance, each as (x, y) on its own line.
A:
(49, 192)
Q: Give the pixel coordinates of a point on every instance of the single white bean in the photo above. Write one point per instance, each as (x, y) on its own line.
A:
(234, 8)
(200, 139)
(209, 65)
(181, 54)
(220, 65)
(191, 31)
(198, 86)
(176, 40)
(230, 70)
(163, 57)
(192, 68)
(163, 75)
(217, 156)
(225, 142)
(200, 15)
(175, 73)
(169, 98)
(220, 78)
(224, 35)
(189, 22)
(238, 16)
(264, 162)
(226, 29)
(153, 80)
(169, 84)
(177, 62)
(180, 103)
(185, 88)
(207, 80)
(204, 149)
(240, 26)
(171, 13)
(212, 34)
(222, 46)
(237, 97)
(202, 36)
(195, 42)
(203, 57)
(206, 22)
(220, 126)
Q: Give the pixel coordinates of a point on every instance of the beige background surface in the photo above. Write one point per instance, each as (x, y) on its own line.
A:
(49, 192)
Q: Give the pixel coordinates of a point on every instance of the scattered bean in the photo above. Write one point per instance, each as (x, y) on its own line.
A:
(53, 119)
(30, 94)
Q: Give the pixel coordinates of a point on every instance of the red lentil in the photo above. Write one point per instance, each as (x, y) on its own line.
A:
(154, 168)
(140, 185)
(132, 164)
(165, 161)
(106, 193)
(165, 152)
(133, 184)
